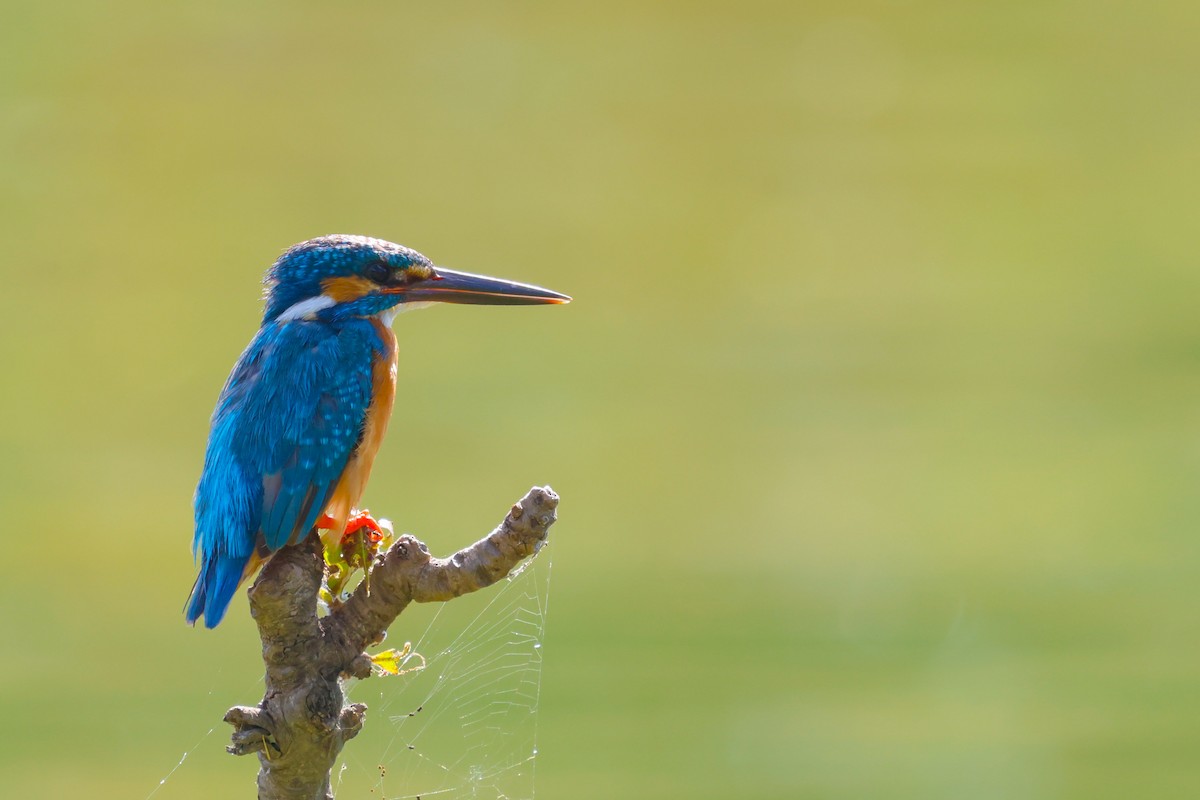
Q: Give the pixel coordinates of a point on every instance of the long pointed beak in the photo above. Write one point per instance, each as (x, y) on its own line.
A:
(448, 286)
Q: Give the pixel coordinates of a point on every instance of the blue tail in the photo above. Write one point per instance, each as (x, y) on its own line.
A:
(214, 588)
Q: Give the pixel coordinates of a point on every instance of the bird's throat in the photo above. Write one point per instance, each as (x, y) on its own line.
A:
(389, 314)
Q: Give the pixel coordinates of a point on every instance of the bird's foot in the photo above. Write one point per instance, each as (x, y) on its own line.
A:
(363, 521)
(358, 521)
(361, 541)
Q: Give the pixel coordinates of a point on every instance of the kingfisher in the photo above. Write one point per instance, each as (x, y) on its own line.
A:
(301, 417)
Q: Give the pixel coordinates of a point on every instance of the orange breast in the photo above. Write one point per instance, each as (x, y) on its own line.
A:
(358, 469)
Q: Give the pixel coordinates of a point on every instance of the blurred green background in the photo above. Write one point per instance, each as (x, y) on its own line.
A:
(875, 418)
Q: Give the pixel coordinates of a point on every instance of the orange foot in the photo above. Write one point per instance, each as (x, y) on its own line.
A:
(357, 522)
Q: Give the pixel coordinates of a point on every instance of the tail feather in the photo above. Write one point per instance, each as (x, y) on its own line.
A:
(214, 588)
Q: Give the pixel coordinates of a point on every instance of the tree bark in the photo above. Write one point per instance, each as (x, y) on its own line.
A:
(303, 721)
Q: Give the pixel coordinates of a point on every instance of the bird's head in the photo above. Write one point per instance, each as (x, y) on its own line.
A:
(339, 277)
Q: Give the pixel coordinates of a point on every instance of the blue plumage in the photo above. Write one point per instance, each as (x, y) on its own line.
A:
(297, 424)
(285, 426)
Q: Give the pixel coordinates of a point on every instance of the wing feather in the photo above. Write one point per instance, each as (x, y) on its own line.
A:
(324, 411)
(288, 421)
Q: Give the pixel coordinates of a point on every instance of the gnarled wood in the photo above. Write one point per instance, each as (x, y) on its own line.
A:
(303, 721)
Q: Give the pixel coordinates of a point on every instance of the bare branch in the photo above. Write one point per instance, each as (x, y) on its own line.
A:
(407, 572)
(302, 723)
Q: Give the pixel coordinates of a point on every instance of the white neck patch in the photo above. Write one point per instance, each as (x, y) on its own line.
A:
(307, 309)
(386, 316)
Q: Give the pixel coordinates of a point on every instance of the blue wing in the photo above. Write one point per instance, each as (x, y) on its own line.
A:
(287, 422)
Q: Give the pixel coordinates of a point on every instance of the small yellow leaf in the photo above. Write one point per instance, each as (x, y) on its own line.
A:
(398, 662)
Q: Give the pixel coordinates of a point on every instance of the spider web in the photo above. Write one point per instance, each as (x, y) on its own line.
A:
(466, 724)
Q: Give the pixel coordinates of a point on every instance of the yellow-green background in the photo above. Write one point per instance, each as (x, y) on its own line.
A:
(876, 417)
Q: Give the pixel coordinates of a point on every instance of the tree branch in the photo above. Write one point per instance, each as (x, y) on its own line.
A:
(302, 723)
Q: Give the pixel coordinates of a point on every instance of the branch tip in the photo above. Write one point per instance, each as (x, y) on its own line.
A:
(360, 667)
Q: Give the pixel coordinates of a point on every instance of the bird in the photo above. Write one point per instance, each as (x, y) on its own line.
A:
(302, 415)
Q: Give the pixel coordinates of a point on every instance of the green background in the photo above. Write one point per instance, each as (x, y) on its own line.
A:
(875, 418)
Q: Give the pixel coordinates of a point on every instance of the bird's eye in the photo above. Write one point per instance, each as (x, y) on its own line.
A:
(378, 272)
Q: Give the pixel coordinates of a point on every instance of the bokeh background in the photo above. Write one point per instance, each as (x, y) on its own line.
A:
(875, 418)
